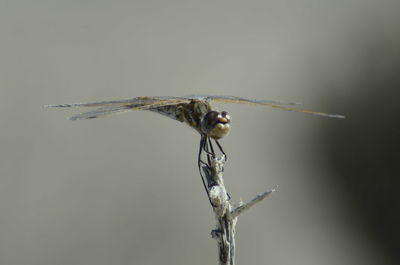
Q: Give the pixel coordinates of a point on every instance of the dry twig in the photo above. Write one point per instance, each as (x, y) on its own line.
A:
(226, 214)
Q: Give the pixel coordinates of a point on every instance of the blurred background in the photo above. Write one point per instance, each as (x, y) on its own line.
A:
(126, 190)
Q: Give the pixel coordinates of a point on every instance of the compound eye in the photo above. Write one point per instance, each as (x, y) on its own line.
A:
(209, 121)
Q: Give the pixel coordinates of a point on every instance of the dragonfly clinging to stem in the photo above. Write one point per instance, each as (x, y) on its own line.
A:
(196, 111)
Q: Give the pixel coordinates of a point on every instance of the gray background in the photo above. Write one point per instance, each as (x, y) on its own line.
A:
(125, 190)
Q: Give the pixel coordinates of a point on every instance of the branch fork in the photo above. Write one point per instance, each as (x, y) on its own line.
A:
(226, 214)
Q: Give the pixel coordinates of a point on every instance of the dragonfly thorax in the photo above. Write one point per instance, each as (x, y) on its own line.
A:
(216, 124)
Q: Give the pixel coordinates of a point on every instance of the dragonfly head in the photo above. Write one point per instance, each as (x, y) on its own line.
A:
(216, 124)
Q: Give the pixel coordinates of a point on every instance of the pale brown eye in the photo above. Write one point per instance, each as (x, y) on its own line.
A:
(209, 121)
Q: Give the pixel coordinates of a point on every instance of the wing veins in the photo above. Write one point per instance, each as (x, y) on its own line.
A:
(272, 104)
(117, 109)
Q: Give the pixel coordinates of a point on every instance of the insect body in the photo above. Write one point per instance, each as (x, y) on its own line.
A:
(196, 111)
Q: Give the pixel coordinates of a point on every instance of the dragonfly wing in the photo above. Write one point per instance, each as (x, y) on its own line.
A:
(239, 100)
(269, 103)
(101, 112)
(121, 106)
(93, 104)
(135, 101)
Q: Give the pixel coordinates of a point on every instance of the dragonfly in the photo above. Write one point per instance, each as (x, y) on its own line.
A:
(194, 110)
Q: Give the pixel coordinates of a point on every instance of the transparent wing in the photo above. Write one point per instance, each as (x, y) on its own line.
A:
(121, 106)
(269, 103)
(233, 99)
(100, 112)
(135, 101)
(147, 103)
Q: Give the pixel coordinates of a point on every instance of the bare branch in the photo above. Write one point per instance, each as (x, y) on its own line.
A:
(225, 213)
(241, 208)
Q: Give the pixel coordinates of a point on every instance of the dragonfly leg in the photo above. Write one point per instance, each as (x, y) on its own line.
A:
(222, 150)
(201, 164)
(203, 148)
(225, 158)
(209, 150)
(212, 153)
(206, 147)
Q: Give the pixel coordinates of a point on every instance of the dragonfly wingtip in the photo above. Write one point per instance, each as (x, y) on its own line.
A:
(62, 106)
(337, 116)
